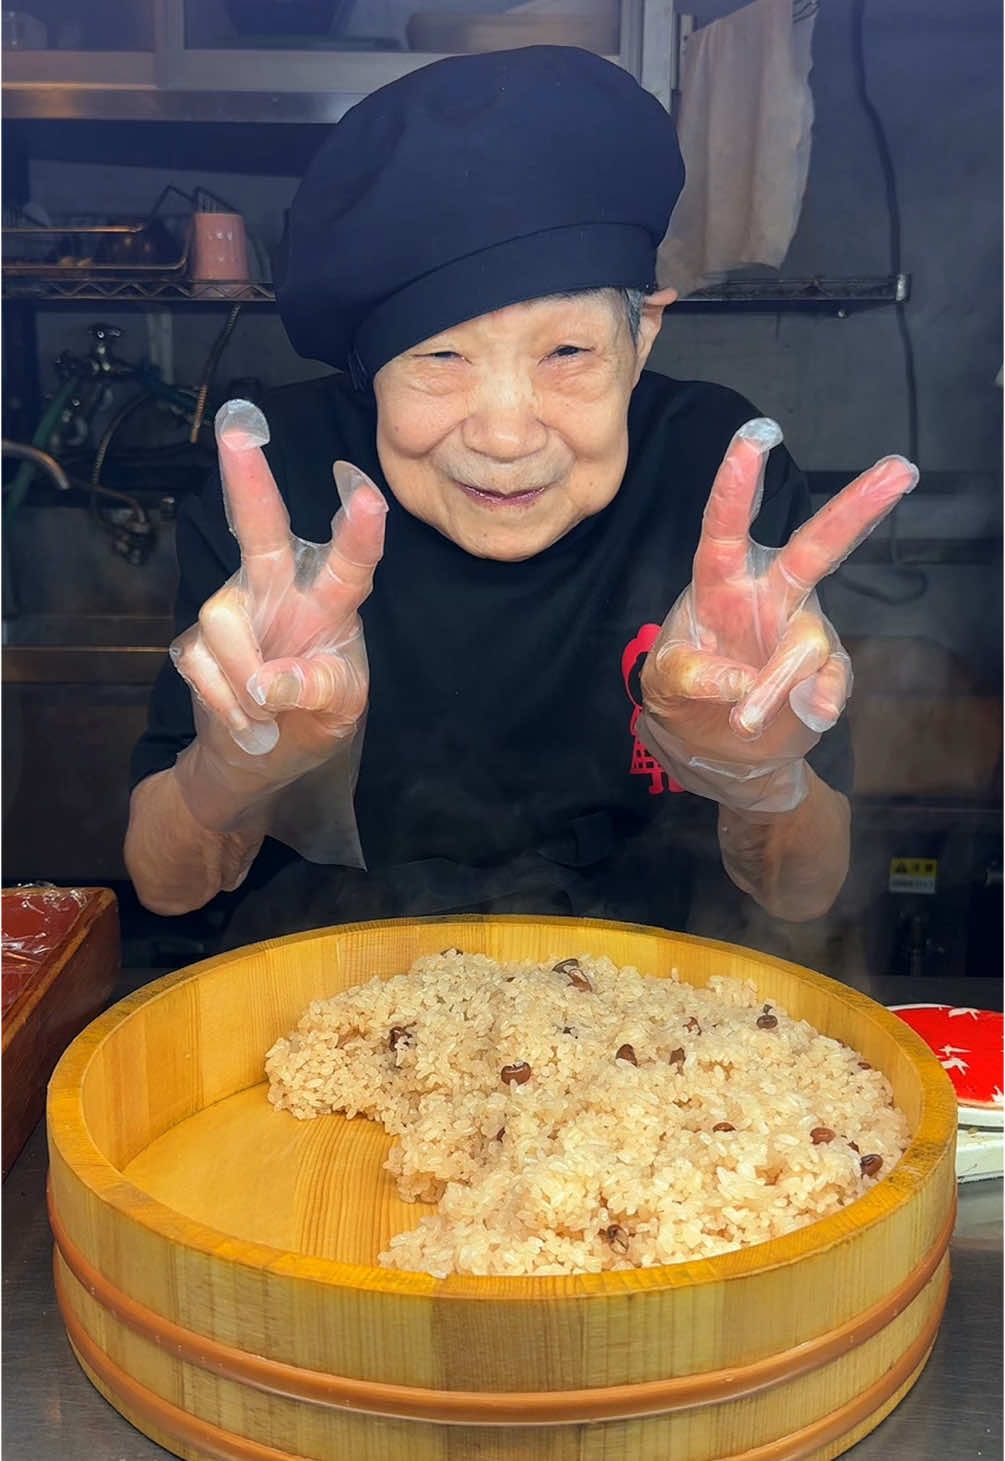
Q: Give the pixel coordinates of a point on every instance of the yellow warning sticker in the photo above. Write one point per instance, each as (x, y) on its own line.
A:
(913, 874)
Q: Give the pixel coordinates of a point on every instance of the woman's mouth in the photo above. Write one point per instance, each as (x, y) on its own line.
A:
(501, 501)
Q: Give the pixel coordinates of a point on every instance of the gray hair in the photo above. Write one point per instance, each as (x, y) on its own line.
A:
(631, 301)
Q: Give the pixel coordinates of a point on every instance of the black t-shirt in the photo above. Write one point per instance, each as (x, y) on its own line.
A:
(500, 769)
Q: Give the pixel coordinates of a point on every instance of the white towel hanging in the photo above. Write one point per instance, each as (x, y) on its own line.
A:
(745, 128)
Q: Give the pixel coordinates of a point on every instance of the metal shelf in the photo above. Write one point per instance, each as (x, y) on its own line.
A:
(840, 296)
(121, 289)
(175, 81)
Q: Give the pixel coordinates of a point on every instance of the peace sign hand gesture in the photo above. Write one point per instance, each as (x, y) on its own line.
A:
(276, 662)
(747, 673)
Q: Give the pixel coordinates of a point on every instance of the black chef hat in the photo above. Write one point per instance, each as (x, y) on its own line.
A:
(474, 183)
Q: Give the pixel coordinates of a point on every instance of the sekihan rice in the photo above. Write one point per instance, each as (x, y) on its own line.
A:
(590, 1162)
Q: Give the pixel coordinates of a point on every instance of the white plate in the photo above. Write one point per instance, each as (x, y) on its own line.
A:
(978, 1155)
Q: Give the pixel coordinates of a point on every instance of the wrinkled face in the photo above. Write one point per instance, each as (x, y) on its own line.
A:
(508, 430)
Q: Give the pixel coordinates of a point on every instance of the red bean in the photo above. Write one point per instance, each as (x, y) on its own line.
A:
(618, 1238)
(723, 1126)
(871, 1164)
(566, 966)
(627, 1053)
(693, 1026)
(517, 1074)
(767, 1022)
(400, 1035)
(821, 1135)
(677, 1057)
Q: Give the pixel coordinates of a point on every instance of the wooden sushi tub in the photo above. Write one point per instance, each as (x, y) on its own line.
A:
(216, 1260)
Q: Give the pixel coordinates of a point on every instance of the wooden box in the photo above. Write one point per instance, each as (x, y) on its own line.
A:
(60, 964)
(216, 1260)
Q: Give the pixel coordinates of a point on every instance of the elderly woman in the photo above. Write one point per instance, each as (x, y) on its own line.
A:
(473, 250)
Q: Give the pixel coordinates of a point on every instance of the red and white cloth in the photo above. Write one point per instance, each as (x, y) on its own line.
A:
(969, 1046)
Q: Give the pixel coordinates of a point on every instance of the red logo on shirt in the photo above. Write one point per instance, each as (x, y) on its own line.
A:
(643, 764)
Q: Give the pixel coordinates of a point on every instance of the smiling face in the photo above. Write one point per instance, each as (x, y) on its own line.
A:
(506, 431)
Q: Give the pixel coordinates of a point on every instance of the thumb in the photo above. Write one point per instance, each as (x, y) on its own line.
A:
(819, 700)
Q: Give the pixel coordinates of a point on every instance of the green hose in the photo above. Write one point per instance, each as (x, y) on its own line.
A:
(16, 493)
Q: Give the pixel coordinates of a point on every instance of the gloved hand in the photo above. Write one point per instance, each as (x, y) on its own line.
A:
(276, 662)
(747, 673)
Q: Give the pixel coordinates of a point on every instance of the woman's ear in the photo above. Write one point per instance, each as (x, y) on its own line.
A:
(649, 325)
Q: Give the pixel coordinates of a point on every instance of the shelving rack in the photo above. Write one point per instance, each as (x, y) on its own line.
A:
(837, 296)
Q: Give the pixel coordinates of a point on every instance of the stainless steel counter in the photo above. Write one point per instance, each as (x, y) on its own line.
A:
(954, 1413)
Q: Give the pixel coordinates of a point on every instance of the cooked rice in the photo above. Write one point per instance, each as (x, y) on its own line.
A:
(592, 1163)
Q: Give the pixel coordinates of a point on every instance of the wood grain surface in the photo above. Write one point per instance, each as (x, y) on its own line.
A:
(200, 1207)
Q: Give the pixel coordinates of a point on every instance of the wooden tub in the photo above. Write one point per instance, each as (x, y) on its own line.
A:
(215, 1259)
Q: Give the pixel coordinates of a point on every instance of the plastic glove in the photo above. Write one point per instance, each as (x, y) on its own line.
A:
(747, 673)
(276, 663)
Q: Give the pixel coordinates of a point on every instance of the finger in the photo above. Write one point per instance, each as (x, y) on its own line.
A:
(357, 544)
(733, 504)
(804, 647)
(820, 700)
(256, 512)
(836, 530)
(682, 672)
(230, 639)
(207, 681)
(326, 683)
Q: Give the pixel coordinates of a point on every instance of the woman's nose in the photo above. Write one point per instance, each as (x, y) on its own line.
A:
(503, 420)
